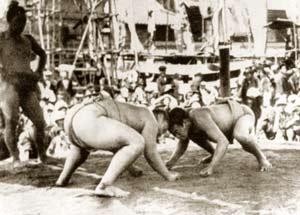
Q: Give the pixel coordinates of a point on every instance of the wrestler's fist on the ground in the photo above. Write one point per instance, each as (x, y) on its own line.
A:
(206, 160)
(265, 166)
(174, 176)
(208, 171)
(169, 164)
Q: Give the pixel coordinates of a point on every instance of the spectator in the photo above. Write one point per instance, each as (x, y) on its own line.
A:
(175, 86)
(123, 96)
(268, 93)
(59, 144)
(65, 84)
(208, 95)
(294, 80)
(249, 81)
(254, 101)
(195, 85)
(139, 95)
(281, 104)
(162, 80)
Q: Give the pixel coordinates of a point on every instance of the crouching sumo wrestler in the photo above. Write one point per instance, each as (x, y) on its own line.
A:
(220, 124)
(124, 129)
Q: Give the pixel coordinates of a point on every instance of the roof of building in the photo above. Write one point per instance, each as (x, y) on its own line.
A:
(140, 8)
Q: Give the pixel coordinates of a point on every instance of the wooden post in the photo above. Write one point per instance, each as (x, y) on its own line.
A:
(111, 42)
(167, 26)
(224, 74)
(224, 54)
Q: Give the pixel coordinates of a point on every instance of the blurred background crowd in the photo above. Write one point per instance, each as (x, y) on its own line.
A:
(270, 89)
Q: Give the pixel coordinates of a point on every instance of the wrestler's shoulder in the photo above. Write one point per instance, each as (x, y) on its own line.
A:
(200, 110)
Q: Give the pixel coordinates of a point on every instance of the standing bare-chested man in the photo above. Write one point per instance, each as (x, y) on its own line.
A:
(18, 84)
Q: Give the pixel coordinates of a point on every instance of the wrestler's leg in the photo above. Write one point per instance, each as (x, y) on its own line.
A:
(214, 134)
(32, 109)
(74, 159)
(244, 134)
(10, 108)
(111, 135)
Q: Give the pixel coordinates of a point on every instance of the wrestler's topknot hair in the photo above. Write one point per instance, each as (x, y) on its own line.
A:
(176, 116)
(14, 10)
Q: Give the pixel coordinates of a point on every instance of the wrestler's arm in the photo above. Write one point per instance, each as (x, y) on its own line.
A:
(38, 50)
(203, 121)
(151, 154)
(181, 147)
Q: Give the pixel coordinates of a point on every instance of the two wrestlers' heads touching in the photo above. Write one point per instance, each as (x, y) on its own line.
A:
(176, 121)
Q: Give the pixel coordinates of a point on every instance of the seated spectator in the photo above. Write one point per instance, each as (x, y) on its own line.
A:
(162, 80)
(47, 88)
(193, 100)
(281, 104)
(59, 144)
(26, 143)
(208, 95)
(195, 85)
(79, 95)
(65, 85)
(175, 86)
(60, 104)
(254, 101)
(249, 81)
(48, 111)
(269, 124)
(139, 95)
(294, 80)
(123, 96)
(150, 96)
(292, 125)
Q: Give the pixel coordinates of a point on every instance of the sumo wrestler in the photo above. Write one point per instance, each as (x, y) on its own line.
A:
(121, 128)
(18, 83)
(218, 124)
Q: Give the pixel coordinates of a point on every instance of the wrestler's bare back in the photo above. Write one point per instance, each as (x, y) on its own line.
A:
(111, 114)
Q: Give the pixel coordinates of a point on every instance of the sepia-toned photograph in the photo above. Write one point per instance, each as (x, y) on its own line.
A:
(149, 107)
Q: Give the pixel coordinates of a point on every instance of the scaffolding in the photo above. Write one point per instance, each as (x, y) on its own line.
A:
(47, 20)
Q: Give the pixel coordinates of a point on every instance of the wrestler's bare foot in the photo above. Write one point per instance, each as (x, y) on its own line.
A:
(208, 171)
(206, 160)
(265, 166)
(110, 191)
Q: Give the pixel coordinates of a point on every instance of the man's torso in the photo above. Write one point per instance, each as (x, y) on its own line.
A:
(15, 55)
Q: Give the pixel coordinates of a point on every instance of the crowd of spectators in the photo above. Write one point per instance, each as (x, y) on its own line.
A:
(271, 90)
